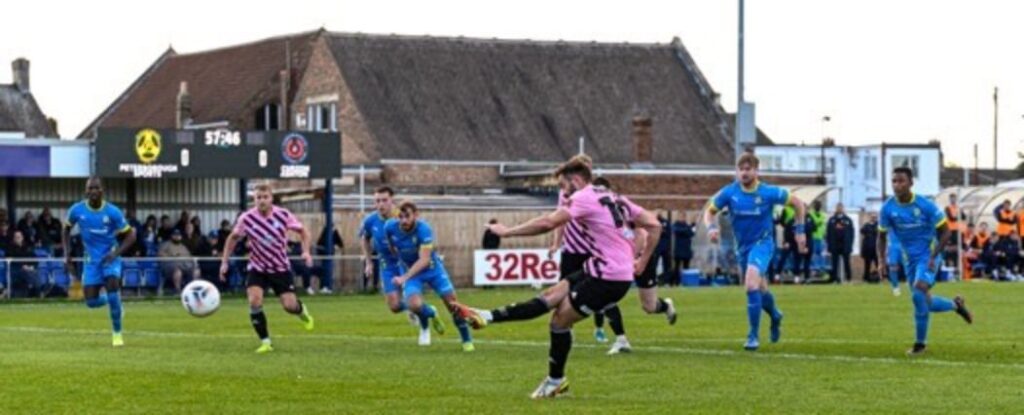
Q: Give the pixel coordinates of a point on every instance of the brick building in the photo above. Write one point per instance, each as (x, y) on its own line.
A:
(440, 116)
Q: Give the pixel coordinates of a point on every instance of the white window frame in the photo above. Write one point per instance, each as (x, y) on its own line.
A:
(315, 117)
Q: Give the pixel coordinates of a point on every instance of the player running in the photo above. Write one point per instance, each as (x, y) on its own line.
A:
(915, 222)
(750, 203)
(646, 284)
(605, 278)
(101, 224)
(266, 226)
(413, 241)
(373, 240)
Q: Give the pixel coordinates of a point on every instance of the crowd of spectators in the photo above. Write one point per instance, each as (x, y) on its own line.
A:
(186, 253)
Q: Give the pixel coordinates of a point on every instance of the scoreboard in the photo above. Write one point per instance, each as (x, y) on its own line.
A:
(217, 153)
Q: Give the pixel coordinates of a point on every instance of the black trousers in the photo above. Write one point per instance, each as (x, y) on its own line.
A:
(836, 257)
(869, 261)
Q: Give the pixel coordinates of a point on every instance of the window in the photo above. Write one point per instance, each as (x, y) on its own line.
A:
(771, 162)
(322, 117)
(810, 163)
(267, 118)
(871, 168)
(906, 161)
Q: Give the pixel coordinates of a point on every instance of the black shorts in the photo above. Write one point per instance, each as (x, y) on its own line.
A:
(571, 263)
(590, 295)
(648, 278)
(280, 282)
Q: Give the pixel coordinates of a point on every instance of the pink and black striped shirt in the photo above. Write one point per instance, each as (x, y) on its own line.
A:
(575, 239)
(268, 238)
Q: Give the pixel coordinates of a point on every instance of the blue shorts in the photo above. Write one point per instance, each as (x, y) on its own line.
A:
(917, 270)
(758, 255)
(388, 271)
(437, 280)
(94, 274)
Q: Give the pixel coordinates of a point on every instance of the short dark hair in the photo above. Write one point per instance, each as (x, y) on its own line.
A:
(904, 170)
(749, 158)
(493, 221)
(603, 182)
(408, 205)
(385, 189)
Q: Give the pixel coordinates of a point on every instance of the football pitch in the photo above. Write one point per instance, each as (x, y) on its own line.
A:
(842, 351)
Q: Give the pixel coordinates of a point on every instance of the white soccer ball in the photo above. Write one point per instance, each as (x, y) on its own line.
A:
(537, 285)
(200, 298)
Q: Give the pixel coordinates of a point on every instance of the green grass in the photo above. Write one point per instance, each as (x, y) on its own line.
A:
(842, 351)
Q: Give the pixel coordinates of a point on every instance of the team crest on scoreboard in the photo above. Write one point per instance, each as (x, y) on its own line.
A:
(294, 151)
(147, 145)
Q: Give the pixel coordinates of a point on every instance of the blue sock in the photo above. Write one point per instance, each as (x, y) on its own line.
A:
(114, 299)
(921, 316)
(754, 312)
(425, 314)
(463, 329)
(941, 305)
(894, 276)
(768, 304)
(97, 302)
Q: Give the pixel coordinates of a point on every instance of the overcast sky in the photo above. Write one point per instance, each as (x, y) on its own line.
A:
(899, 71)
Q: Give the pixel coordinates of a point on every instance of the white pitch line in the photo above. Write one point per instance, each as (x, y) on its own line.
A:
(526, 343)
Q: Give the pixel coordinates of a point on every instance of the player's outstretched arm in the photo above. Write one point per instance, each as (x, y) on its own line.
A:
(535, 226)
(229, 247)
(648, 222)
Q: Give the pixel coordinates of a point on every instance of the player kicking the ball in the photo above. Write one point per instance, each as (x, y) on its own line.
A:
(604, 280)
(266, 226)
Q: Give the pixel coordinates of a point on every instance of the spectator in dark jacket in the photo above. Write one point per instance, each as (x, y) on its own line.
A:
(222, 234)
(839, 237)
(1005, 252)
(327, 280)
(663, 252)
(24, 276)
(166, 228)
(491, 239)
(27, 227)
(48, 229)
(801, 261)
(868, 239)
(5, 236)
(684, 232)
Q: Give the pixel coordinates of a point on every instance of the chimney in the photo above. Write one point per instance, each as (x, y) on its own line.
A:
(643, 143)
(19, 68)
(183, 111)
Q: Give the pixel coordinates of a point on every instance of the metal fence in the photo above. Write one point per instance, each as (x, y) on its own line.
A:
(47, 277)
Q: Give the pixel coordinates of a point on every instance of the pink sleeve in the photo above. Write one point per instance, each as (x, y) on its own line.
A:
(240, 224)
(576, 206)
(634, 210)
(292, 222)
